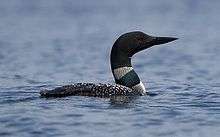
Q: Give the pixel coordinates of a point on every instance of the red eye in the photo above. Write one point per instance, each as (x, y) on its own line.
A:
(140, 40)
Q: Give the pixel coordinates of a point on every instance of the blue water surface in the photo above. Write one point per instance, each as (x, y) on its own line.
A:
(45, 44)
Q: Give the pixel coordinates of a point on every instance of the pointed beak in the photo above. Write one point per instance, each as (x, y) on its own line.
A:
(163, 40)
(153, 41)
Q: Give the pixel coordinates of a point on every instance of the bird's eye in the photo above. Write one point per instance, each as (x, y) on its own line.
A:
(140, 40)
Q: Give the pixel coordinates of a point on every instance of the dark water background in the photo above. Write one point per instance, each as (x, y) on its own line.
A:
(45, 44)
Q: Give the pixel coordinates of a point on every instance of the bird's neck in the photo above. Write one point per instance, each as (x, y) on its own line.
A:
(125, 75)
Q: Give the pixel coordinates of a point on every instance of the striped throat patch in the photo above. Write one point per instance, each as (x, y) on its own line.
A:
(120, 72)
(127, 77)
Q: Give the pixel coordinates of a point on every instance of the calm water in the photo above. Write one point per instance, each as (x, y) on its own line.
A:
(45, 44)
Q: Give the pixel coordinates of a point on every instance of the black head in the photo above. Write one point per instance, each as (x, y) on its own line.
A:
(133, 42)
(130, 43)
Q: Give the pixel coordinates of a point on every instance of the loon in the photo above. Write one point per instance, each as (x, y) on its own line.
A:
(127, 81)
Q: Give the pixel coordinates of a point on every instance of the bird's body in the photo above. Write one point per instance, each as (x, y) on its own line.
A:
(90, 89)
(127, 80)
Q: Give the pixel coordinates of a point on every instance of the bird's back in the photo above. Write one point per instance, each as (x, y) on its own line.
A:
(89, 89)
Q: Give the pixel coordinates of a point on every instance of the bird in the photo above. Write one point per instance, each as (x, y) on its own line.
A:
(127, 81)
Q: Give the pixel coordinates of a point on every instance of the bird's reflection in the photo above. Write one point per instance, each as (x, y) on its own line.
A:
(126, 101)
(122, 101)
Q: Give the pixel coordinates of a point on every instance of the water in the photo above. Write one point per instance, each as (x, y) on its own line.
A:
(45, 44)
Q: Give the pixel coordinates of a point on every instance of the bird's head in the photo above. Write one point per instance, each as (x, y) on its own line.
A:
(133, 42)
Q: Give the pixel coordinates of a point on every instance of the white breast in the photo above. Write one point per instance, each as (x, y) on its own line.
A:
(140, 88)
